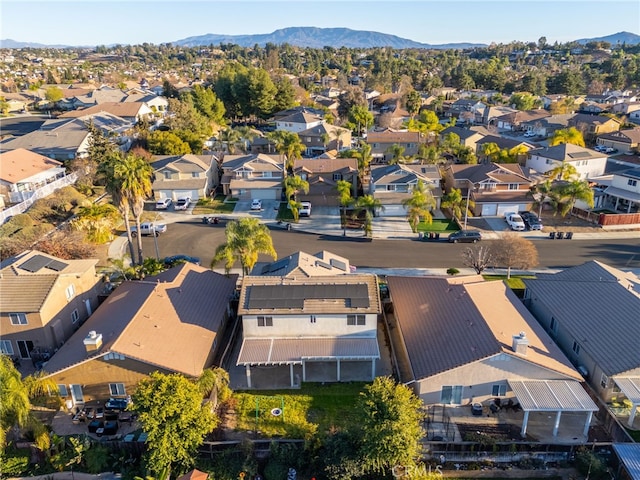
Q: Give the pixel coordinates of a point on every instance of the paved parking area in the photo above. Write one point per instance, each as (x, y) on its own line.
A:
(269, 209)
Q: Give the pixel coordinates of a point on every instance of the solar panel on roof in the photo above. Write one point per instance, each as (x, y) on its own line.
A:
(579, 155)
(340, 265)
(56, 265)
(293, 296)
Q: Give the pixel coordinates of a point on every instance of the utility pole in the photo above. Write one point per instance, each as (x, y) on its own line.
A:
(466, 210)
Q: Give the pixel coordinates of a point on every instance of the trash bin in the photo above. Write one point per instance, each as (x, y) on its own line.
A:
(552, 235)
(569, 235)
(437, 236)
(560, 235)
(420, 235)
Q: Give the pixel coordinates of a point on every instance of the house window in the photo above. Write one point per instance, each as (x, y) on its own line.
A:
(553, 325)
(576, 348)
(117, 389)
(513, 186)
(337, 176)
(5, 347)
(391, 188)
(604, 381)
(549, 161)
(18, 318)
(632, 182)
(498, 390)
(70, 292)
(195, 174)
(312, 319)
(265, 321)
(167, 175)
(356, 320)
(75, 316)
(113, 356)
(62, 390)
(451, 394)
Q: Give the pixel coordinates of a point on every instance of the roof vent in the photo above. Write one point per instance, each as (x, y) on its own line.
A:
(92, 342)
(520, 343)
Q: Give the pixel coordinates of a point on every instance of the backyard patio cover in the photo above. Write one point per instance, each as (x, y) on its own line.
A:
(630, 386)
(552, 396)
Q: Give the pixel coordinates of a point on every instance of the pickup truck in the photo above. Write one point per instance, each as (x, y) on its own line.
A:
(149, 228)
(515, 221)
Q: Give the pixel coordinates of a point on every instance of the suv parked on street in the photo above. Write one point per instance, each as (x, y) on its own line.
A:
(465, 236)
(531, 221)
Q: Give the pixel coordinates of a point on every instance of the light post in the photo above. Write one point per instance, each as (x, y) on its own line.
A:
(155, 237)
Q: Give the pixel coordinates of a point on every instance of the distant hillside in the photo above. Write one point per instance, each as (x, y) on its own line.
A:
(615, 39)
(8, 43)
(317, 38)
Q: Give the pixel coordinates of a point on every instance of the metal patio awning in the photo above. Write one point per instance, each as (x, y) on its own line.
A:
(552, 396)
(630, 386)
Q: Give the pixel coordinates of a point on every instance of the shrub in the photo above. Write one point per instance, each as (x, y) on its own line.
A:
(452, 271)
(15, 462)
(588, 463)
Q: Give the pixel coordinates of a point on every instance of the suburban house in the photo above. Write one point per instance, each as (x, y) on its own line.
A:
(310, 326)
(494, 111)
(302, 264)
(625, 141)
(496, 188)
(634, 116)
(44, 300)
(593, 125)
(323, 137)
(323, 175)
(132, 112)
(467, 340)
(60, 139)
(298, 120)
(176, 176)
(157, 103)
(513, 121)
(170, 323)
(253, 176)
(546, 126)
(467, 109)
(587, 162)
(382, 142)
(468, 136)
(391, 184)
(505, 143)
(23, 172)
(98, 96)
(623, 192)
(600, 337)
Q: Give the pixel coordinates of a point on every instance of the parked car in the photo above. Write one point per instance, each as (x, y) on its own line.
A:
(149, 228)
(515, 221)
(531, 221)
(305, 209)
(182, 203)
(465, 236)
(176, 259)
(256, 204)
(163, 203)
(600, 148)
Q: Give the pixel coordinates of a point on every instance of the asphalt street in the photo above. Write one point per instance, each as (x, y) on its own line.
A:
(194, 238)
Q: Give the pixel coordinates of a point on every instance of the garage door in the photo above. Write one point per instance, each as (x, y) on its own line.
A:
(193, 194)
(264, 194)
(489, 209)
(504, 208)
(392, 211)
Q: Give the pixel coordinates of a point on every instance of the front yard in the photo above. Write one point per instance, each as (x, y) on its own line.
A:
(442, 226)
(213, 205)
(315, 408)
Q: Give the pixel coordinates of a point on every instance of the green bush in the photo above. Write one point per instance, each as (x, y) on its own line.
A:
(452, 271)
(14, 463)
(97, 458)
(587, 462)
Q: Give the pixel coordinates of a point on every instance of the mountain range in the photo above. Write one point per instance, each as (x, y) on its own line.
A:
(333, 37)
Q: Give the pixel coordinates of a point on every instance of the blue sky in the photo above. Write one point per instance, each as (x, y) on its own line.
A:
(92, 22)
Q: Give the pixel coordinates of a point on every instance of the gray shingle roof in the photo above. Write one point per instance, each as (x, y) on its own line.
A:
(601, 313)
(24, 294)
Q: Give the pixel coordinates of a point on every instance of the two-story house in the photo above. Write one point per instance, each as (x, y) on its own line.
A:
(133, 112)
(44, 300)
(177, 176)
(323, 174)
(171, 323)
(505, 143)
(323, 137)
(298, 119)
(392, 184)
(320, 328)
(23, 172)
(382, 142)
(468, 136)
(253, 176)
(625, 141)
(624, 191)
(587, 162)
(468, 110)
(593, 125)
(591, 311)
(513, 121)
(495, 188)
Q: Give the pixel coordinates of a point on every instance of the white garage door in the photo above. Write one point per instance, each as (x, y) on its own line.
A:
(193, 194)
(504, 208)
(264, 194)
(392, 211)
(489, 209)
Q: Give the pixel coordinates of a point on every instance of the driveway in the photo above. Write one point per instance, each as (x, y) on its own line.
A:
(497, 224)
(269, 209)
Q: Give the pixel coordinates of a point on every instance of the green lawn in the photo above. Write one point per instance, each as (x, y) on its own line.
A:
(439, 225)
(315, 408)
(213, 205)
(514, 283)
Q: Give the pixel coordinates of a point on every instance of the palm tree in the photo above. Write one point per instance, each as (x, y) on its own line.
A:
(567, 135)
(134, 174)
(98, 221)
(287, 144)
(247, 134)
(457, 204)
(337, 134)
(364, 157)
(214, 382)
(490, 151)
(572, 191)
(230, 138)
(564, 171)
(325, 140)
(246, 238)
(419, 205)
(398, 154)
(292, 185)
(369, 205)
(344, 192)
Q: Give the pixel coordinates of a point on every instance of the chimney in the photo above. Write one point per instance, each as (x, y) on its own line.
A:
(520, 343)
(92, 342)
